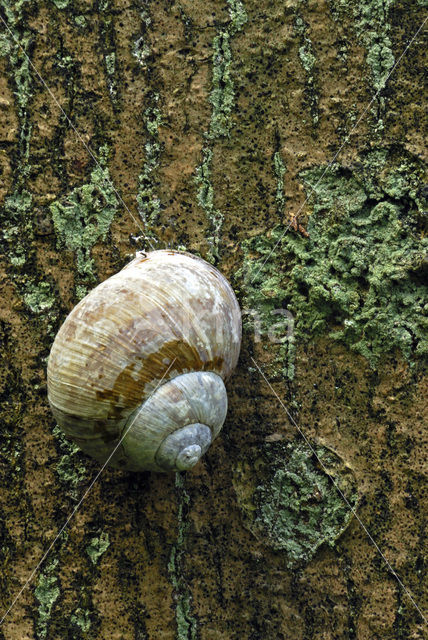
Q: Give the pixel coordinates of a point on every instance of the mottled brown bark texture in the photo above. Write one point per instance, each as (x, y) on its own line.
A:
(268, 138)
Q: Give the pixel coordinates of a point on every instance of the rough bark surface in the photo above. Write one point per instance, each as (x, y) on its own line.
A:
(212, 126)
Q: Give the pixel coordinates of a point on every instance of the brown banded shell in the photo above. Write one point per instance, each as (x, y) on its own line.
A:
(145, 353)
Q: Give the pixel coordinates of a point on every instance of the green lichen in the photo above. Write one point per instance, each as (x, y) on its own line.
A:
(39, 297)
(80, 22)
(20, 63)
(289, 500)
(17, 261)
(46, 593)
(360, 275)
(4, 45)
(372, 29)
(308, 60)
(81, 291)
(65, 62)
(110, 59)
(15, 43)
(222, 99)
(84, 216)
(186, 623)
(16, 225)
(238, 16)
(205, 197)
(264, 291)
(222, 95)
(107, 37)
(97, 546)
(148, 201)
(81, 618)
(17, 218)
(16, 234)
(70, 468)
(61, 4)
(149, 205)
(141, 49)
(18, 205)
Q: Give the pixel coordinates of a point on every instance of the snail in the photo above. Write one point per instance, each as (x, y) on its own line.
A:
(136, 372)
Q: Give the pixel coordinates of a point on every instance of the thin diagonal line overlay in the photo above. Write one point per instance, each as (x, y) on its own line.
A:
(76, 508)
(340, 492)
(313, 189)
(87, 147)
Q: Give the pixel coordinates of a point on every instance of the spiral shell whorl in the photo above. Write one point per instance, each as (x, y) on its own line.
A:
(176, 424)
(182, 449)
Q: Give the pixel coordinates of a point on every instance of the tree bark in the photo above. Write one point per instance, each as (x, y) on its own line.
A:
(283, 142)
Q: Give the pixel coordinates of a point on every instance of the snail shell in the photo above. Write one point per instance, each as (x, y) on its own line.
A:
(146, 354)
